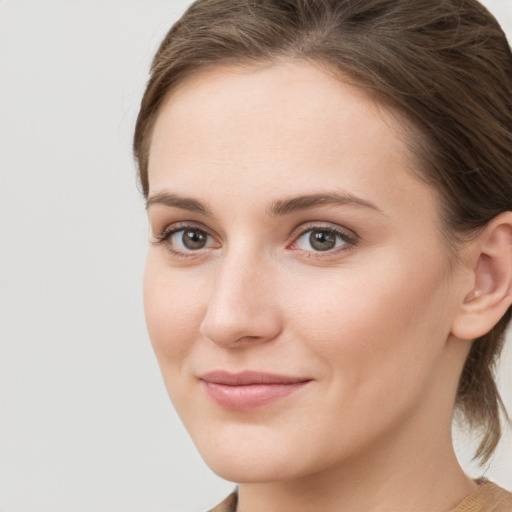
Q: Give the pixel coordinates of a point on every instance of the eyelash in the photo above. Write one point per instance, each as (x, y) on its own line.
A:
(349, 240)
(171, 230)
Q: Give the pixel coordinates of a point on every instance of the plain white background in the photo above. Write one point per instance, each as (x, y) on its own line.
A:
(85, 422)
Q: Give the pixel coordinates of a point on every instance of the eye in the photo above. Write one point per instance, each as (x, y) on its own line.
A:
(323, 239)
(190, 239)
(186, 239)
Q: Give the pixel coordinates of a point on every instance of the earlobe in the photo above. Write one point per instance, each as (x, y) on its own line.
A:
(491, 294)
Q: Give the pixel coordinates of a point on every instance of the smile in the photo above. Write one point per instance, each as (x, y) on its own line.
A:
(248, 390)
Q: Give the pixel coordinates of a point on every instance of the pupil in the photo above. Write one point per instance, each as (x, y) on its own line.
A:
(194, 239)
(322, 240)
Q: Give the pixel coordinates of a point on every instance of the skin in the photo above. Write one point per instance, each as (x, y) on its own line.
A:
(370, 322)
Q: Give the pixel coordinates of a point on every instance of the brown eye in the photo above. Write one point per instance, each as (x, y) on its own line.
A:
(188, 239)
(194, 239)
(322, 240)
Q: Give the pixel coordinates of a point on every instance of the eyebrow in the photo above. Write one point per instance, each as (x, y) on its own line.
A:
(279, 207)
(173, 200)
(305, 202)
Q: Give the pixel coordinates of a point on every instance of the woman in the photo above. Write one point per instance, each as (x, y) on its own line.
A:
(329, 191)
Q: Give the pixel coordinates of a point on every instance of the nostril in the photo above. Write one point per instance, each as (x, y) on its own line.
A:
(239, 327)
(240, 309)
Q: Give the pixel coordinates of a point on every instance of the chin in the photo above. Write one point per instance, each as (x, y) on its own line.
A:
(260, 457)
(241, 469)
(244, 461)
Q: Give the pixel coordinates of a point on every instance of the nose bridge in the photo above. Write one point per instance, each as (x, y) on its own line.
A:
(240, 306)
(233, 282)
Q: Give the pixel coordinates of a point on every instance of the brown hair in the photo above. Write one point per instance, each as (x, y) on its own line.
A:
(443, 64)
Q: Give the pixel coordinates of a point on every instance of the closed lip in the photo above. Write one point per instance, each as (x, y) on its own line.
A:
(248, 378)
(249, 390)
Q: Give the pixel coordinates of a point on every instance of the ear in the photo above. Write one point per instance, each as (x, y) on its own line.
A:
(491, 272)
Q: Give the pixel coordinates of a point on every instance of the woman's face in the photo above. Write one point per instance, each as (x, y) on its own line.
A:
(297, 292)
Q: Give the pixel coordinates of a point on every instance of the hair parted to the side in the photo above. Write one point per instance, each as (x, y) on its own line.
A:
(445, 65)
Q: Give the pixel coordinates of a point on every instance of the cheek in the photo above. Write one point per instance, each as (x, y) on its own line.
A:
(378, 330)
(173, 305)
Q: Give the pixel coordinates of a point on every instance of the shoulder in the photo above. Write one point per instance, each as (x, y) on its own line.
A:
(488, 498)
(228, 505)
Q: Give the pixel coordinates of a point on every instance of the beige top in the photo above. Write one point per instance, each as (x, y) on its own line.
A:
(487, 498)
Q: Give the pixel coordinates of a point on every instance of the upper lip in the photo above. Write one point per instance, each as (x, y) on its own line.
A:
(247, 378)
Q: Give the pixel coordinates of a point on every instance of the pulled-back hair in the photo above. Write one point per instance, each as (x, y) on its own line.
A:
(444, 65)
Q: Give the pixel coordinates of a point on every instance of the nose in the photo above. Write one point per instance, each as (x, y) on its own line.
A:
(241, 307)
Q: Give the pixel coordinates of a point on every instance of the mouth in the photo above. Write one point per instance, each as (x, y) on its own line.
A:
(249, 390)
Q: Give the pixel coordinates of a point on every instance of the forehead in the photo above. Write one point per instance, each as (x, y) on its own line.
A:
(279, 98)
(249, 129)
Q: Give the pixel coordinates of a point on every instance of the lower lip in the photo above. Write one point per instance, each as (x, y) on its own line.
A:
(249, 396)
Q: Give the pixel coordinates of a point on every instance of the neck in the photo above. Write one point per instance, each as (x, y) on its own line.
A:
(403, 471)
